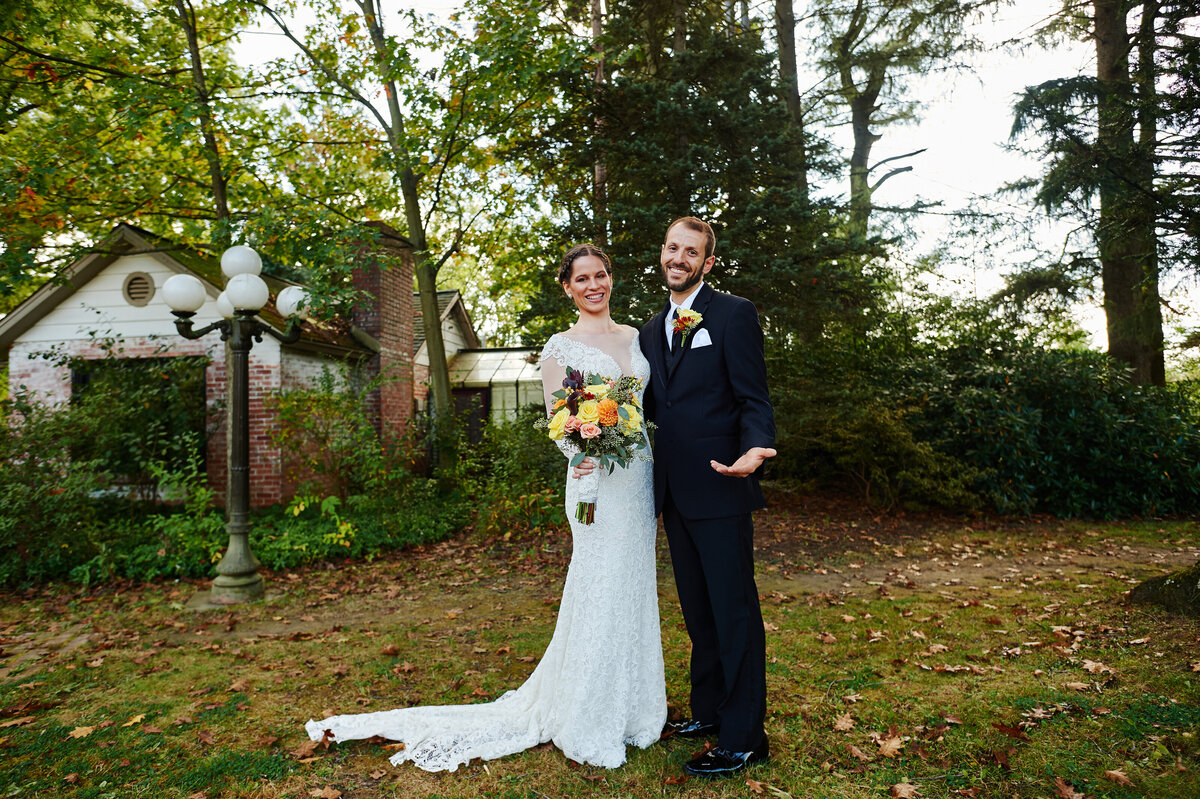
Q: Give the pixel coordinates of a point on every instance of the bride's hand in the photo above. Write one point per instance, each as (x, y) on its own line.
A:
(584, 468)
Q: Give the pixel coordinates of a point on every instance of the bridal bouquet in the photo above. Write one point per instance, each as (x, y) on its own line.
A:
(602, 417)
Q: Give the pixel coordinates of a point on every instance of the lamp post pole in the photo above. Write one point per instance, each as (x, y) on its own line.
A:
(237, 577)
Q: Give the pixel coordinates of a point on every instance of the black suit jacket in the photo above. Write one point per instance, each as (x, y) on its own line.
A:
(711, 403)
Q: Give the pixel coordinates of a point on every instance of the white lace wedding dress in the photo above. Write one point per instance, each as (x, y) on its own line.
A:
(599, 686)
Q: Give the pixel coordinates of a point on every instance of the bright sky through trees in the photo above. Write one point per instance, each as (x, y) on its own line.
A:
(963, 125)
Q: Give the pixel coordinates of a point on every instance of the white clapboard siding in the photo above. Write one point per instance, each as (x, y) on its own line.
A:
(99, 310)
(100, 306)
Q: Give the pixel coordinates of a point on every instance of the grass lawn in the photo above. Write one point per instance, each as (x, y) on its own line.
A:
(908, 655)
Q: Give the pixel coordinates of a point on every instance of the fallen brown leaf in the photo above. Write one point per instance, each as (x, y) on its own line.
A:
(80, 732)
(326, 793)
(390, 650)
(843, 723)
(754, 785)
(904, 790)
(306, 749)
(72, 778)
(1118, 777)
(134, 720)
(1096, 667)
(150, 729)
(1076, 686)
(1065, 790)
(378, 774)
(858, 753)
(237, 686)
(679, 780)
(890, 746)
(22, 721)
(826, 638)
(1011, 732)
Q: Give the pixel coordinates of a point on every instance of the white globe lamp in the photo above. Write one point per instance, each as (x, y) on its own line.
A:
(224, 306)
(240, 260)
(247, 292)
(184, 293)
(290, 301)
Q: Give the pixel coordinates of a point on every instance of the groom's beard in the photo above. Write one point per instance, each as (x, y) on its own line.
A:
(692, 279)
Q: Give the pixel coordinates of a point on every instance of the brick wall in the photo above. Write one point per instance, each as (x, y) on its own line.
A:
(53, 385)
(386, 313)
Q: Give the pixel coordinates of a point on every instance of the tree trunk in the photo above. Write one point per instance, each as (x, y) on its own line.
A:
(1125, 234)
(789, 82)
(862, 106)
(600, 178)
(222, 234)
(679, 46)
(1178, 592)
(425, 268)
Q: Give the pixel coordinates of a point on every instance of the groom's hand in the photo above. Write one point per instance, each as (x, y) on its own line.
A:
(745, 465)
(583, 469)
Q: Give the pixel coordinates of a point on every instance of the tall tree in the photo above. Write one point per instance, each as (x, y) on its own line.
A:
(116, 113)
(1119, 147)
(872, 50)
(438, 124)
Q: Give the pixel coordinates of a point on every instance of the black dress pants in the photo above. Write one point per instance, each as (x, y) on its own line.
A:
(713, 560)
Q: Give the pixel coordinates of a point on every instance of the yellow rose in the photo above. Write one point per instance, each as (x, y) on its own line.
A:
(634, 422)
(557, 423)
(589, 411)
(599, 391)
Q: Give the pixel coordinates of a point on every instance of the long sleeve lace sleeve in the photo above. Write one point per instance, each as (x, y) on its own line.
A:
(554, 369)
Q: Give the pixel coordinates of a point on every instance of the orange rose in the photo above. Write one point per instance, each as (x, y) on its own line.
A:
(589, 430)
(608, 413)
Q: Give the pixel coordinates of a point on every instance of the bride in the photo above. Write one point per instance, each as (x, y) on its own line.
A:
(599, 686)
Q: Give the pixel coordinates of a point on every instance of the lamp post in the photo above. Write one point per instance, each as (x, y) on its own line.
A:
(245, 294)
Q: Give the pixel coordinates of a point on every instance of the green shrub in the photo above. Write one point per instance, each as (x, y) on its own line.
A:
(874, 446)
(1060, 431)
(517, 477)
(47, 512)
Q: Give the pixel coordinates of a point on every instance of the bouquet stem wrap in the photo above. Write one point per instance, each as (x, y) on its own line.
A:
(589, 488)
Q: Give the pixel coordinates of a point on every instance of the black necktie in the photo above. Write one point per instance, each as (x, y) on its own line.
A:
(676, 336)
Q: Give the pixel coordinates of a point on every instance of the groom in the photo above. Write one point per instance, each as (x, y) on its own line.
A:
(708, 398)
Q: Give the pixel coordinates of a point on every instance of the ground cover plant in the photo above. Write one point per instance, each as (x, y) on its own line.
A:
(909, 655)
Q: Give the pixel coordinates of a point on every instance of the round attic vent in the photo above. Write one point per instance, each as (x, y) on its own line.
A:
(138, 289)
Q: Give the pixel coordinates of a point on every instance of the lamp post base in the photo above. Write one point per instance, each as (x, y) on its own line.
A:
(232, 590)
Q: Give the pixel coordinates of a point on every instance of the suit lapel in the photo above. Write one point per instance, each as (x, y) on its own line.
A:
(699, 305)
(658, 348)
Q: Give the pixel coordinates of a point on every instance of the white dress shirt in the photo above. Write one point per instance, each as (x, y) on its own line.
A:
(686, 305)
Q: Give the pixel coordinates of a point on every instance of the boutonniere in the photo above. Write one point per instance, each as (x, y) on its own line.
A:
(687, 321)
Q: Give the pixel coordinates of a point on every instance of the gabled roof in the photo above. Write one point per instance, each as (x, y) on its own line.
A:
(449, 302)
(126, 239)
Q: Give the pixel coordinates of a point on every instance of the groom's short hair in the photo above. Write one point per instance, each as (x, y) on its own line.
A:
(700, 226)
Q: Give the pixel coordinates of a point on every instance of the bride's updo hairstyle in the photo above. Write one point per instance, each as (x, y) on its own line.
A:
(578, 251)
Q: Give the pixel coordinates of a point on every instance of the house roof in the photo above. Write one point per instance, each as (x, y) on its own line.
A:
(336, 335)
(449, 302)
(476, 368)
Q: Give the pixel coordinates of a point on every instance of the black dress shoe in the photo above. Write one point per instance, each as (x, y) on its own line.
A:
(725, 763)
(691, 728)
